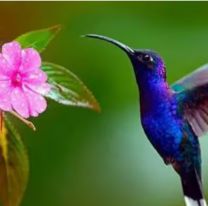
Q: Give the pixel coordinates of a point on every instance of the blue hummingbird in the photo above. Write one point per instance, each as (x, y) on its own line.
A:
(173, 117)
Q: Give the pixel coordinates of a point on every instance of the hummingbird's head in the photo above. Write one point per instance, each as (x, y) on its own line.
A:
(148, 65)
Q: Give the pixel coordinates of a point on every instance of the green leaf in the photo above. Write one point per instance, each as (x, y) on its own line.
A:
(67, 88)
(38, 39)
(13, 166)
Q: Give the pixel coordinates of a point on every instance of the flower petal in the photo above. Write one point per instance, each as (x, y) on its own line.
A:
(4, 67)
(12, 53)
(20, 102)
(37, 103)
(42, 89)
(5, 102)
(5, 88)
(35, 77)
(30, 60)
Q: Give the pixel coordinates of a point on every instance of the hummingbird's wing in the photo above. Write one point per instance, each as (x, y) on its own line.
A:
(197, 78)
(192, 95)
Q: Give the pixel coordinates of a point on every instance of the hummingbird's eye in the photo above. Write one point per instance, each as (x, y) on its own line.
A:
(146, 58)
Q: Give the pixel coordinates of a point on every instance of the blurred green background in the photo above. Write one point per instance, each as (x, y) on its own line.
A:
(82, 158)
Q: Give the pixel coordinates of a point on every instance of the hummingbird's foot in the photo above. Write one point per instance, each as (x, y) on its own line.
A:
(169, 160)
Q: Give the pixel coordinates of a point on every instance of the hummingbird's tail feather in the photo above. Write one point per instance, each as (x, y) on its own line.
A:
(191, 202)
(192, 189)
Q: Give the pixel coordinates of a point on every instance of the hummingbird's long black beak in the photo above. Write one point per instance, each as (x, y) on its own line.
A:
(124, 47)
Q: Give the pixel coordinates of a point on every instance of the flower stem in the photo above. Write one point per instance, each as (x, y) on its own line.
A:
(1, 120)
(28, 123)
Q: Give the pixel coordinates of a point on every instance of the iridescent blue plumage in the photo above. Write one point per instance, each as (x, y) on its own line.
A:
(172, 117)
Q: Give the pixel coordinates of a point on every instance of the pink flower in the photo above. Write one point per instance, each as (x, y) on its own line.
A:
(22, 82)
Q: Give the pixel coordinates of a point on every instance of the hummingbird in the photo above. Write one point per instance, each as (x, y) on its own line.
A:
(173, 117)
